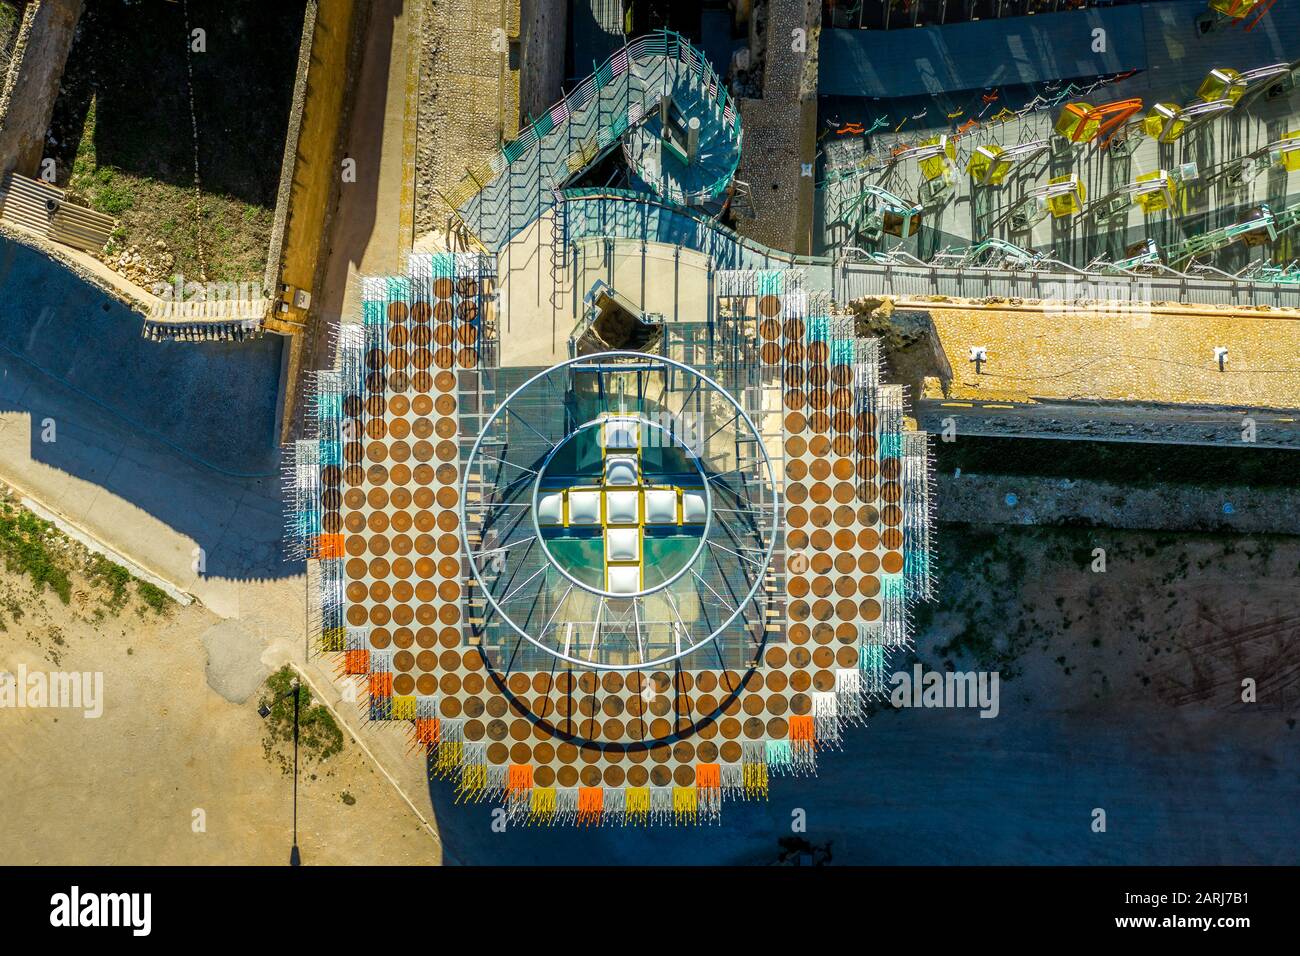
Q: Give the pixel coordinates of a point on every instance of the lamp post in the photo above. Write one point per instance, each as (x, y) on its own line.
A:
(295, 857)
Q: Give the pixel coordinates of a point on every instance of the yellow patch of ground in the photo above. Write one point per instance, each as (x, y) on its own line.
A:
(1140, 356)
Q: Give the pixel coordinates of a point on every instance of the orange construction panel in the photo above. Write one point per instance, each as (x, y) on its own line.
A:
(329, 546)
(519, 777)
(591, 803)
(801, 727)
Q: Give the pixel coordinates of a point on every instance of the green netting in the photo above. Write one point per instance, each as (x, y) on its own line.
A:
(665, 556)
(584, 558)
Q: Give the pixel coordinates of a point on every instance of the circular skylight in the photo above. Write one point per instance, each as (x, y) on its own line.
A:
(619, 510)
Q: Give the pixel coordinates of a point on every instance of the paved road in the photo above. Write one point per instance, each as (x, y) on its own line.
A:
(371, 231)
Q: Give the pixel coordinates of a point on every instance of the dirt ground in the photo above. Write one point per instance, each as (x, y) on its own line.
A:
(126, 788)
(1174, 619)
(1121, 688)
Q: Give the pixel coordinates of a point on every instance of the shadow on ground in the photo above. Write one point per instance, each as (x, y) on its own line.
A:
(934, 787)
(183, 431)
(132, 60)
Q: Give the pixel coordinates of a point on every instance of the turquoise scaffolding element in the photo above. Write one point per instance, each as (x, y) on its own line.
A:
(871, 661)
(399, 287)
(916, 564)
(842, 351)
(769, 281)
(778, 756)
(373, 312)
(498, 198)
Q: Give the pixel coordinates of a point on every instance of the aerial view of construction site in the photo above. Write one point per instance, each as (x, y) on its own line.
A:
(626, 432)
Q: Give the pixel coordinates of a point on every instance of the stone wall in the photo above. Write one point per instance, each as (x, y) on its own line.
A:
(469, 96)
(31, 84)
(310, 174)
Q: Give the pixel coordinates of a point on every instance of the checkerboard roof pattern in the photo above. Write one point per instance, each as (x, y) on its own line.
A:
(384, 498)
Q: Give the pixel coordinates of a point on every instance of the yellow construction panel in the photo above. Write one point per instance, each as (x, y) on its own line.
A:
(1233, 8)
(936, 167)
(1163, 124)
(1157, 199)
(1076, 124)
(1290, 158)
(1067, 203)
(985, 167)
(1221, 84)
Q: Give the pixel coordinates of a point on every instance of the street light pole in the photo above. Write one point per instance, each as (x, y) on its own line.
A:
(295, 858)
(264, 711)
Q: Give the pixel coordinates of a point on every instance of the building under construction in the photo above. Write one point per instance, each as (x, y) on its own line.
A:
(608, 504)
(649, 576)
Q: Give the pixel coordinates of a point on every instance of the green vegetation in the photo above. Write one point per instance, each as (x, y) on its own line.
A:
(117, 581)
(33, 547)
(26, 543)
(1130, 463)
(114, 577)
(319, 736)
(10, 21)
(216, 238)
(153, 597)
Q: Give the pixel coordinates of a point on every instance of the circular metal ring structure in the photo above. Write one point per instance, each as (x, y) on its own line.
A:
(618, 511)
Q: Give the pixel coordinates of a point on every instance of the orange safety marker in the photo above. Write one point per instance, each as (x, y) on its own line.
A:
(801, 727)
(428, 731)
(708, 776)
(519, 778)
(329, 546)
(591, 804)
(356, 662)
